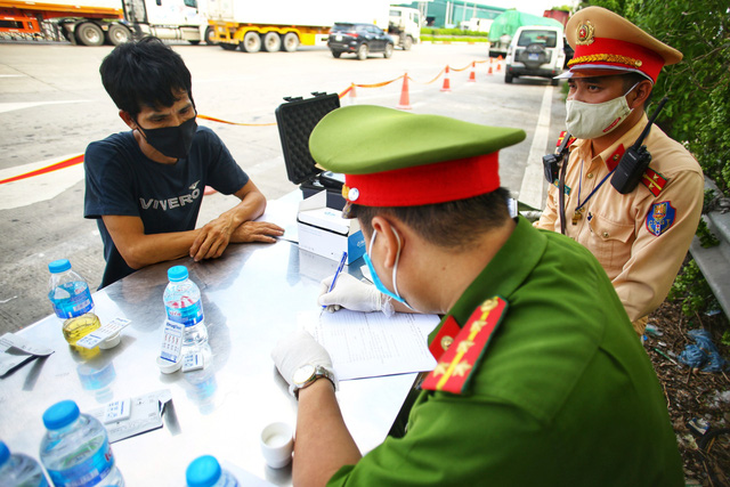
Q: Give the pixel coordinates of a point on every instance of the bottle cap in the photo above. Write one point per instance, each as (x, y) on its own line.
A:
(4, 453)
(203, 472)
(167, 367)
(58, 266)
(177, 273)
(111, 342)
(61, 414)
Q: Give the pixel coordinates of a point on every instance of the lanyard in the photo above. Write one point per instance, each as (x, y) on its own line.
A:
(580, 186)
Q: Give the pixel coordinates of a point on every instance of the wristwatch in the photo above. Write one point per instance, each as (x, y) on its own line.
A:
(306, 375)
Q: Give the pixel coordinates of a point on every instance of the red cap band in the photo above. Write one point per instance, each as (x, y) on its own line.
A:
(426, 184)
(617, 53)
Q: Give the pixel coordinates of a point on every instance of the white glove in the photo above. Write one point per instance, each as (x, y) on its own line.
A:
(297, 350)
(349, 293)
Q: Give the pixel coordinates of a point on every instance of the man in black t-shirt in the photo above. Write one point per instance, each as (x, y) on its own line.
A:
(145, 186)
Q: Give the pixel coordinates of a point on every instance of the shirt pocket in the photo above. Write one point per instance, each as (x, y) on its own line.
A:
(611, 243)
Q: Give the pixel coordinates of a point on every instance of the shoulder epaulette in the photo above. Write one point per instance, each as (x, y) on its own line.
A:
(462, 356)
(654, 181)
(561, 137)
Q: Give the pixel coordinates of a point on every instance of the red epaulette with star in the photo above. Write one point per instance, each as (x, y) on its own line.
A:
(654, 181)
(561, 137)
(464, 353)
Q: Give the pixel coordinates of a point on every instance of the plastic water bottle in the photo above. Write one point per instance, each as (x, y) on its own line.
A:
(71, 299)
(18, 470)
(75, 450)
(205, 471)
(183, 306)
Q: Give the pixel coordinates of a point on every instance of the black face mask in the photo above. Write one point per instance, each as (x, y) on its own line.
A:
(172, 141)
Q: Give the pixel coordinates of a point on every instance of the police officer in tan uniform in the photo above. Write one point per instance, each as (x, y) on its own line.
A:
(640, 238)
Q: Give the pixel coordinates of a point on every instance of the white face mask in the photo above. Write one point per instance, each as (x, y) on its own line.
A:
(593, 120)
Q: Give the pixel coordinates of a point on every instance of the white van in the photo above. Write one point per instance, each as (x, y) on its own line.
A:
(535, 50)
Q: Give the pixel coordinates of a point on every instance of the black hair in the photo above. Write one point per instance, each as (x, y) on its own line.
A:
(630, 79)
(147, 72)
(454, 224)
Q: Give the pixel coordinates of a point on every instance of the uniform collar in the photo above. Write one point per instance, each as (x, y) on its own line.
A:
(506, 272)
(617, 148)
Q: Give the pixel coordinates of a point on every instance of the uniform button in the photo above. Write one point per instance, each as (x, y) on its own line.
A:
(353, 194)
(590, 175)
(605, 234)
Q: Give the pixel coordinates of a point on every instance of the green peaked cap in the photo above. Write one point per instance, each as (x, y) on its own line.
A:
(366, 139)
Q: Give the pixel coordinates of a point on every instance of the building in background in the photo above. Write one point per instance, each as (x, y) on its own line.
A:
(455, 13)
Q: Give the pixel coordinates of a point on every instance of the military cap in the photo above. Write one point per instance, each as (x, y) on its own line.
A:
(393, 158)
(606, 44)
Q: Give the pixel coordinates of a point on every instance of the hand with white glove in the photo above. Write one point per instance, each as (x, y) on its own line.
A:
(350, 293)
(297, 350)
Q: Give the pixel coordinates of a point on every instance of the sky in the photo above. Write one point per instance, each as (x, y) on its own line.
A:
(535, 7)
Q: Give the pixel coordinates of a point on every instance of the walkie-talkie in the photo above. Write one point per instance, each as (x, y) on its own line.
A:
(635, 160)
(551, 162)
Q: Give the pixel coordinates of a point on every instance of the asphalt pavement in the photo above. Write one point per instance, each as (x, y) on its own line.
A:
(52, 105)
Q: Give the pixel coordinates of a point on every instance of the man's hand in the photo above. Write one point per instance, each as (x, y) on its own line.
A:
(349, 293)
(297, 350)
(256, 232)
(213, 238)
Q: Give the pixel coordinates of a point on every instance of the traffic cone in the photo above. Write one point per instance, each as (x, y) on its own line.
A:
(499, 63)
(472, 75)
(405, 100)
(490, 70)
(447, 81)
(353, 95)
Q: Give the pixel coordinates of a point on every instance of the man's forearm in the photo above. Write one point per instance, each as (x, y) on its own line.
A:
(251, 206)
(151, 249)
(323, 445)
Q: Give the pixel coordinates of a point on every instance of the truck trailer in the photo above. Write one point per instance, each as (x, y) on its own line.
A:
(96, 22)
(284, 25)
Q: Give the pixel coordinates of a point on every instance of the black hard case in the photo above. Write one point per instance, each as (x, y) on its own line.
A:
(296, 119)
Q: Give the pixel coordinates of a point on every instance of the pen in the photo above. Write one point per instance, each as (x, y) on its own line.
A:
(337, 273)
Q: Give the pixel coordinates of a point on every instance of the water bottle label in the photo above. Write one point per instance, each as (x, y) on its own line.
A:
(74, 299)
(87, 473)
(185, 312)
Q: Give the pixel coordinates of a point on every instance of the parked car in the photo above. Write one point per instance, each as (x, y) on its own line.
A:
(535, 50)
(359, 39)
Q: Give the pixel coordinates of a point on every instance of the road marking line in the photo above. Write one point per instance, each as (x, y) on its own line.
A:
(8, 107)
(39, 188)
(532, 190)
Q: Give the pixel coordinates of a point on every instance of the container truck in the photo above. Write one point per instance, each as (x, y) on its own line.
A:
(506, 24)
(404, 26)
(95, 22)
(284, 25)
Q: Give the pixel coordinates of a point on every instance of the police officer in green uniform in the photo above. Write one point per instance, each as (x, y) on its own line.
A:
(540, 379)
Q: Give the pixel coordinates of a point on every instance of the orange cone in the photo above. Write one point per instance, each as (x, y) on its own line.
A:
(499, 63)
(447, 81)
(405, 99)
(472, 75)
(490, 70)
(353, 95)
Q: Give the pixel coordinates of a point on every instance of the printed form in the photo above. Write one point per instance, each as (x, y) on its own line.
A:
(371, 344)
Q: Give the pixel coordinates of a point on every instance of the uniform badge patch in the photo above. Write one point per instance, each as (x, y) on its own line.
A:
(462, 356)
(660, 218)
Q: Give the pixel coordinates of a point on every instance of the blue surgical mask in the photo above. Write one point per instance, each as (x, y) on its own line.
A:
(374, 275)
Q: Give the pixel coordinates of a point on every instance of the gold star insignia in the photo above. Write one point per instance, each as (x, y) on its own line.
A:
(462, 368)
(464, 346)
(477, 326)
(446, 342)
(489, 305)
(440, 369)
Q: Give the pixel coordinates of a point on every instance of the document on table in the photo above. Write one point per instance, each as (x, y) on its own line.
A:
(283, 214)
(371, 344)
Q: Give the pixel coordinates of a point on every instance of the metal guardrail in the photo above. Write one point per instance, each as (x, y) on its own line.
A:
(714, 262)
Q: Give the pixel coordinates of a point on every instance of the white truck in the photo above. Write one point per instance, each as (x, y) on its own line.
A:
(404, 26)
(95, 22)
(284, 25)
